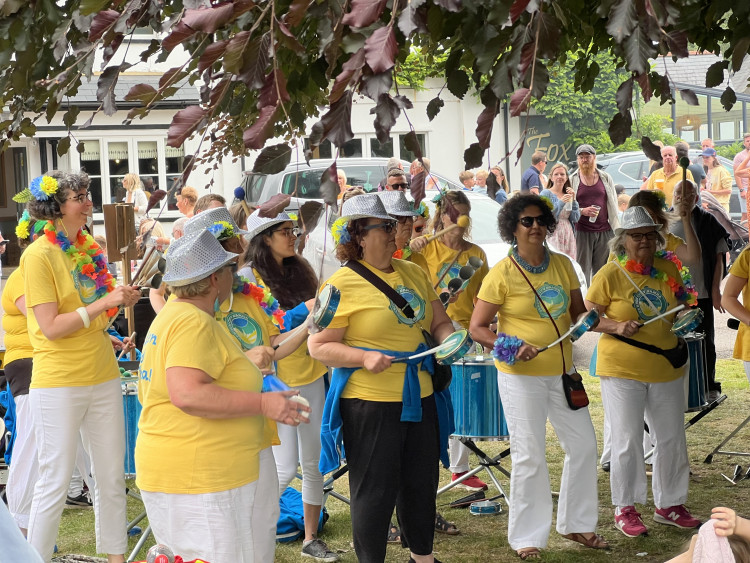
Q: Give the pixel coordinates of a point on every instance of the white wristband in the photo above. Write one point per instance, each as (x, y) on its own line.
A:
(84, 316)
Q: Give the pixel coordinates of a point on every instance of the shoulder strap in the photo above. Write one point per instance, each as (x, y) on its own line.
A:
(389, 292)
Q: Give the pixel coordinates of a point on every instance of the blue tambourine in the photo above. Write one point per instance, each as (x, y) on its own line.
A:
(454, 347)
(326, 306)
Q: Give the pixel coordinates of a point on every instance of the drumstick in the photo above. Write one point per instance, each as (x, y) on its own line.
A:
(425, 353)
(462, 222)
(122, 352)
(638, 289)
(563, 337)
(292, 333)
(664, 314)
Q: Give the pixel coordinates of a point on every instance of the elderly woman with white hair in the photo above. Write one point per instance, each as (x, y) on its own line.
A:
(201, 428)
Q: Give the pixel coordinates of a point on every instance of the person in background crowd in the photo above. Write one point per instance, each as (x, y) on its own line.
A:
(396, 180)
(75, 388)
(707, 144)
(654, 165)
(741, 170)
(622, 204)
(480, 177)
(186, 200)
(707, 273)
(566, 210)
(724, 538)
(683, 151)
(208, 201)
(136, 196)
(531, 181)
(341, 178)
(466, 177)
(667, 176)
(619, 189)
(430, 182)
(111, 266)
(239, 215)
(597, 201)
(718, 179)
(496, 183)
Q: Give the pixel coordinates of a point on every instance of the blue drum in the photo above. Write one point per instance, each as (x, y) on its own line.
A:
(696, 385)
(132, 409)
(477, 410)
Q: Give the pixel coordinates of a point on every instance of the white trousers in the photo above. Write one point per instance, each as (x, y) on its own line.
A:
(528, 402)
(59, 416)
(266, 508)
(747, 370)
(459, 456)
(300, 445)
(626, 401)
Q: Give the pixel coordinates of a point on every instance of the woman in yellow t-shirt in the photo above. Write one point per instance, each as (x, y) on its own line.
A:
(385, 412)
(718, 179)
(75, 384)
(451, 252)
(637, 378)
(271, 259)
(736, 284)
(202, 424)
(531, 389)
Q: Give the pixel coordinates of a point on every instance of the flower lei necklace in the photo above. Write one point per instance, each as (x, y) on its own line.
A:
(88, 258)
(403, 253)
(686, 292)
(263, 297)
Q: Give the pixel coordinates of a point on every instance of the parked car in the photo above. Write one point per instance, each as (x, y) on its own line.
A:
(631, 169)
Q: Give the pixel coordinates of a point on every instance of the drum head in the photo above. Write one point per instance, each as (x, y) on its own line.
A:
(452, 344)
(325, 308)
(688, 321)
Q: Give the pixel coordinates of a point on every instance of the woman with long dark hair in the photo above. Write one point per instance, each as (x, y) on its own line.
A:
(271, 260)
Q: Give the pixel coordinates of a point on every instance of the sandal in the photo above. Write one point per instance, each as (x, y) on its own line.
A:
(529, 553)
(394, 534)
(445, 527)
(594, 542)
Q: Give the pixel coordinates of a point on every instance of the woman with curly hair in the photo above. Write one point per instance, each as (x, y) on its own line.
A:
(535, 294)
(75, 386)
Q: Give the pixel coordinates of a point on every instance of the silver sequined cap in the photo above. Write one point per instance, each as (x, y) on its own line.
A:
(362, 206)
(256, 223)
(208, 218)
(395, 203)
(191, 259)
(635, 218)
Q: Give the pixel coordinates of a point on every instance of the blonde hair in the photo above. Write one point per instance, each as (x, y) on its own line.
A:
(195, 289)
(481, 174)
(465, 175)
(133, 180)
(623, 199)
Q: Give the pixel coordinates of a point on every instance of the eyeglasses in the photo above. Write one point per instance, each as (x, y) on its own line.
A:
(288, 232)
(81, 198)
(638, 237)
(386, 226)
(528, 221)
(399, 186)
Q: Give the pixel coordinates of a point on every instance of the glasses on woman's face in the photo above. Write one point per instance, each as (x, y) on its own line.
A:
(81, 198)
(386, 226)
(288, 232)
(419, 229)
(528, 221)
(638, 237)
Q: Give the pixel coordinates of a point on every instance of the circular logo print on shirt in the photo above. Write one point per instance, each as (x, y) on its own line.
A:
(554, 298)
(245, 329)
(655, 305)
(416, 302)
(85, 286)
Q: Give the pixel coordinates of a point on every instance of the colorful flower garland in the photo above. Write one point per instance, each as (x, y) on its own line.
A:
(403, 253)
(683, 292)
(506, 347)
(222, 230)
(23, 227)
(263, 297)
(42, 187)
(339, 232)
(88, 258)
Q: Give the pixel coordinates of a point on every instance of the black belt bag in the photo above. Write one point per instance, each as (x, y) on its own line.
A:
(677, 356)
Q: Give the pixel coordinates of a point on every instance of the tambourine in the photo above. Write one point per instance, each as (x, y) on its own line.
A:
(687, 322)
(485, 508)
(586, 323)
(326, 305)
(454, 347)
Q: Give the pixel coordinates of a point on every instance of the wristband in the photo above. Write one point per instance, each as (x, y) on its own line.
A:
(84, 316)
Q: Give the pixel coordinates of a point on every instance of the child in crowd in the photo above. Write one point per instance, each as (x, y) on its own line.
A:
(723, 539)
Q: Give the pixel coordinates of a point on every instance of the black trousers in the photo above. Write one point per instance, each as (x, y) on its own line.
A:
(707, 327)
(391, 463)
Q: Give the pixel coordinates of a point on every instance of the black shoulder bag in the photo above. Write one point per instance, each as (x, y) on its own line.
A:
(441, 378)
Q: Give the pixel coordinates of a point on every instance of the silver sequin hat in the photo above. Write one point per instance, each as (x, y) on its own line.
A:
(635, 218)
(191, 259)
(211, 220)
(395, 203)
(257, 224)
(363, 206)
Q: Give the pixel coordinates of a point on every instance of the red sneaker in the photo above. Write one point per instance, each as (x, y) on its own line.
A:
(676, 516)
(629, 522)
(473, 483)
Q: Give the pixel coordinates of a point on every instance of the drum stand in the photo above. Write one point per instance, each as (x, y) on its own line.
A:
(146, 533)
(718, 450)
(485, 462)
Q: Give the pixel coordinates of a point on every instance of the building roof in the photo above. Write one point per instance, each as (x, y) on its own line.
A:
(186, 94)
(692, 71)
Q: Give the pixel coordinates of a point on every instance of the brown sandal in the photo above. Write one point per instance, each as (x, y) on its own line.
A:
(594, 542)
(444, 527)
(529, 553)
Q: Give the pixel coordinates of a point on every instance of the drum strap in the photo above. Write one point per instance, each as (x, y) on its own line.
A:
(397, 299)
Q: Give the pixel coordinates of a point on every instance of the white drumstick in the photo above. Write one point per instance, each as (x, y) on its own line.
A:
(425, 353)
(563, 337)
(664, 314)
(132, 336)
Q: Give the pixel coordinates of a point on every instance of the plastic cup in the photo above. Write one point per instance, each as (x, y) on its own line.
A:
(592, 219)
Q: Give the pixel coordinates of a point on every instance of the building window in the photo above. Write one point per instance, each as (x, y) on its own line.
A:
(117, 166)
(382, 150)
(691, 121)
(92, 165)
(404, 153)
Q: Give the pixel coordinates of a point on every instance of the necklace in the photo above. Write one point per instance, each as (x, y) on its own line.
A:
(88, 258)
(263, 297)
(403, 253)
(682, 292)
(541, 268)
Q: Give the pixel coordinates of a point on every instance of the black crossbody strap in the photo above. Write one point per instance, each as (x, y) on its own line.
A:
(389, 292)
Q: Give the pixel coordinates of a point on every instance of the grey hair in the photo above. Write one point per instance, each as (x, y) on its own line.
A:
(617, 244)
(195, 289)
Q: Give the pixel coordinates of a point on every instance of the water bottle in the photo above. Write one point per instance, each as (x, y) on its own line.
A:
(160, 553)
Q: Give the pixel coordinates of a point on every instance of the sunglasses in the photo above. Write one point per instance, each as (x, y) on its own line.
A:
(397, 186)
(386, 226)
(528, 221)
(638, 237)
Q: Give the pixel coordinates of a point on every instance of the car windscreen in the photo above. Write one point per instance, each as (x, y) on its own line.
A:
(253, 185)
(307, 181)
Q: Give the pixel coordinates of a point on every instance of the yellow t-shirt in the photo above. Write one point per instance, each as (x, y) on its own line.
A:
(719, 179)
(372, 321)
(419, 260)
(520, 314)
(438, 258)
(250, 326)
(17, 343)
(611, 289)
(184, 454)
(298, 368)
(669, 182)
(86, 356)
(741, 269)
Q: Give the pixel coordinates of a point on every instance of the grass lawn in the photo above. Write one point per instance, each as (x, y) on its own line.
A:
(484, 538)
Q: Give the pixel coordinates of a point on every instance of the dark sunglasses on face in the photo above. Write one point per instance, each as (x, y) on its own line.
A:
(638, 237)
(399, 186)
(386, 226)
(529, 221)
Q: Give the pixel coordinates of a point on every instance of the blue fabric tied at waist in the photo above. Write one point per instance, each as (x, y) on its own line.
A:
(331, 436)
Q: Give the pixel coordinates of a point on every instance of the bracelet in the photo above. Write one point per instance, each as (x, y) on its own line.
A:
(84, 316)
